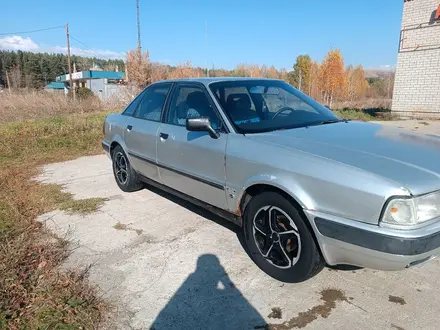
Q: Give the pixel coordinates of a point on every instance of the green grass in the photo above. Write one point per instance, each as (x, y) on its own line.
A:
(352, 114)
(51, 139)
(364, 114)
(34, 292)
(82, 206)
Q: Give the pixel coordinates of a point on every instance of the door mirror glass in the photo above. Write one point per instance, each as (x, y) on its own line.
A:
(201, 125)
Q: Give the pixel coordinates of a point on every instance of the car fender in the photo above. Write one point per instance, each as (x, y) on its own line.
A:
(119, 140)
(285, 183)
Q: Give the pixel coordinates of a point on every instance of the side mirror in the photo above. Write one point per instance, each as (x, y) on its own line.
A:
(201, 125)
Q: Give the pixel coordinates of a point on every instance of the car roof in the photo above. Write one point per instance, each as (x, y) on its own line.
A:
(207, 80)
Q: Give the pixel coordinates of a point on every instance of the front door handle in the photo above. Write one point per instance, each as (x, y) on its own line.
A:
(163, 136)
(129, 128)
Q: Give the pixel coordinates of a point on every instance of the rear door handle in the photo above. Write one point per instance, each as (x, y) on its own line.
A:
(163, 136)
(129, 128)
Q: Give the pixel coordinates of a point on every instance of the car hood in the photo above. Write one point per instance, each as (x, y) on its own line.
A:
(408, 158)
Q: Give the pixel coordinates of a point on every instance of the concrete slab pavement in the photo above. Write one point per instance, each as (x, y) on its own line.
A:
(171, 265)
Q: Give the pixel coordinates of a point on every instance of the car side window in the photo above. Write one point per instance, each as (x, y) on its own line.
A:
(151, 105)
(131, 108)
(191, 102)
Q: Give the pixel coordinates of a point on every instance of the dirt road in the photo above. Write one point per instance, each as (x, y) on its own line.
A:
(168, 265)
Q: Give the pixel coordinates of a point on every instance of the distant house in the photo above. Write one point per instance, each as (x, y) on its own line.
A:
(56, 87)
(103, 84)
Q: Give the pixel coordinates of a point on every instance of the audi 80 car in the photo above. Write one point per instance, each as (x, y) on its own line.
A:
(307, 187)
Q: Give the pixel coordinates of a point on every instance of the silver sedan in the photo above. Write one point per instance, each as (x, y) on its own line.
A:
(307, 187)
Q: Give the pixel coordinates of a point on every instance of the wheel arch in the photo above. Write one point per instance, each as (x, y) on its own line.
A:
(117, 141)
(257, 188)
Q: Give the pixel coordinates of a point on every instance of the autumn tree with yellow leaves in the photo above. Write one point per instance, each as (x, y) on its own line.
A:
(186, 70)
(138, 67)
(356, 83)
(332, 77)
(300, 77)
(326, 82)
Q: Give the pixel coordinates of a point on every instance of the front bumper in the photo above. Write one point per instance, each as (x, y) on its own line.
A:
(344, 241)
(106, 147)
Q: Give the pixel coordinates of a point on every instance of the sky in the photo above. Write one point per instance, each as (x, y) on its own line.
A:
(218, 34)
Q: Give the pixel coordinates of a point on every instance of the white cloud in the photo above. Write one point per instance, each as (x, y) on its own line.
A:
(27, 44)
(18, 43)
(99, 53)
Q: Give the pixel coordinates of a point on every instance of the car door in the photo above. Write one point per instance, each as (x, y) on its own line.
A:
(192, 162)
(141, 130)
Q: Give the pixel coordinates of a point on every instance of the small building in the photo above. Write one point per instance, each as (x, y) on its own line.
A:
(417, 84)
(104, 84)
(56, 87)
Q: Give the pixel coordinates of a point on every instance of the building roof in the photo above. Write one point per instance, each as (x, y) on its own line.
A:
(92, 74)
(55, 85)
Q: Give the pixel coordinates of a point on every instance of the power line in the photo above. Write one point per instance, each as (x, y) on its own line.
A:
(91, 49)
(33, 31)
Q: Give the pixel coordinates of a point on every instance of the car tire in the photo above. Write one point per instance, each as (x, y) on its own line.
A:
(125, 176)
(279, 240)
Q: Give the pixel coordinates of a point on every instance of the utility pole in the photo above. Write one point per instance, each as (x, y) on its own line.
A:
(139, 27)
(70, 65)
(206, 46)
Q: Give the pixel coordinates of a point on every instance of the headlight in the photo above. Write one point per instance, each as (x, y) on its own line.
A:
(412, 211)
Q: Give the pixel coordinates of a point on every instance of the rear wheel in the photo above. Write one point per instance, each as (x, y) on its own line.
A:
(278, 239)
(125, 176)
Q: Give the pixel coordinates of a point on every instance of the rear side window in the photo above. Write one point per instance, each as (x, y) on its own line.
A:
(151, 105)
(129, 111)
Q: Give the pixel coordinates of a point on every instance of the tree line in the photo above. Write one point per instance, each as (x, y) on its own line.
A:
(328, 81)
(36, 70)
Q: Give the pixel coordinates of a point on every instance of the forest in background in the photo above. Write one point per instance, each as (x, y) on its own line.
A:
(36, 70)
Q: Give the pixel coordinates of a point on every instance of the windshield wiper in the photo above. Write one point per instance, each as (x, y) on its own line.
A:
(330, 121)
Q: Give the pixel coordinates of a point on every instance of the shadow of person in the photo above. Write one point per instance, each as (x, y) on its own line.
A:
(208, 299)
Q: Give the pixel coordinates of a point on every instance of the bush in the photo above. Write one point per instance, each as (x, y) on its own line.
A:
(83, 93)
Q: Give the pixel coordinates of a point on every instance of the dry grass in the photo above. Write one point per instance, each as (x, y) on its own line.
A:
(34, 292)
(29, 104)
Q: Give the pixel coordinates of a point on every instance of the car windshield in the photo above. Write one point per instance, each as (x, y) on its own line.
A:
(255, 106)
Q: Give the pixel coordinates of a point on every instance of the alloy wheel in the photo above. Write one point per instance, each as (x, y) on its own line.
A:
(121, 168)
(276, 237)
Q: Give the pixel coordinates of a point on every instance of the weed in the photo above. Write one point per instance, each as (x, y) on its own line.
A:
(82, 206)
(353, 114)
(125, 227)
(34, 292)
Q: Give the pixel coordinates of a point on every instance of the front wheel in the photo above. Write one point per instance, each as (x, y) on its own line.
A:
(278, 239)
